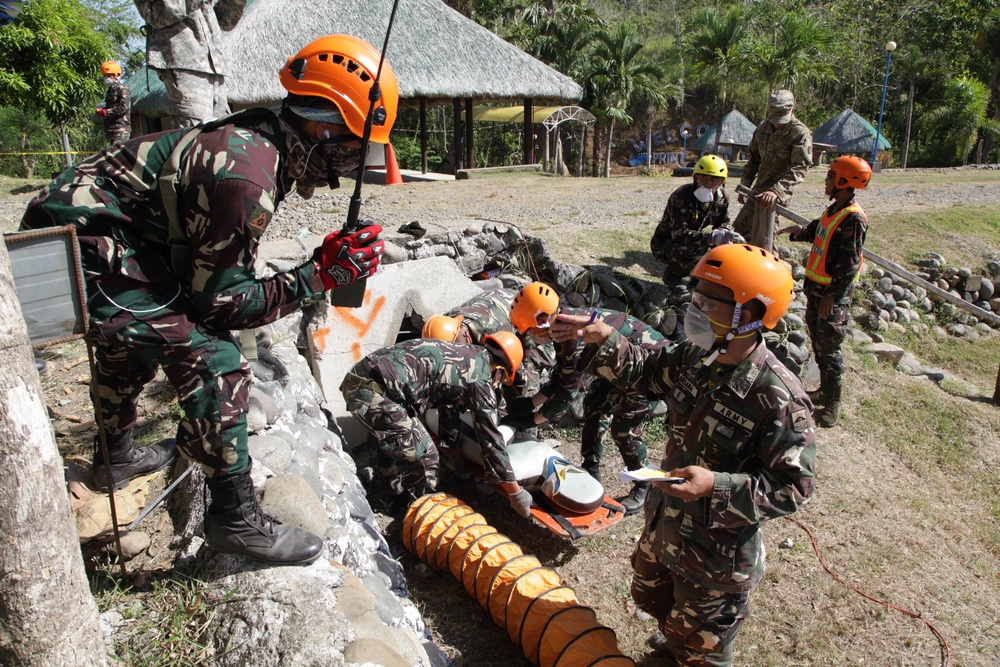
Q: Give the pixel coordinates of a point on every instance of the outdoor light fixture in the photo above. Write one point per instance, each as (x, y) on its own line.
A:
(890, 46)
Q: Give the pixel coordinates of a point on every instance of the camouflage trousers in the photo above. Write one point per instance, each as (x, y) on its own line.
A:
(680, 261)
(827, 337)
(407, 456)
(606, 408)
(194, 96)
(118, 135)
(160, 329)
(699, 623)
(743, 224)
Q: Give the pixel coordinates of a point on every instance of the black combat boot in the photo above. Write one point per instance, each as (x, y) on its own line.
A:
(593, 468)
(829, 415)
(634, 501)
(236, 524)
(129, 461)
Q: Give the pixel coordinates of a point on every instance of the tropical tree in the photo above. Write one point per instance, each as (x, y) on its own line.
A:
(964, 114)
(912, 65)
(988, 40)
(717, 48)
(620, 73)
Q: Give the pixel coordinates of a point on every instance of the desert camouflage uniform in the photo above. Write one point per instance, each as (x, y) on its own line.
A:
(390, 390)
(608, 408)
(118, 102)
(682, 236)
(752, 426)
(779, 160)
(184, 47)
(168, 226)
(843, 259)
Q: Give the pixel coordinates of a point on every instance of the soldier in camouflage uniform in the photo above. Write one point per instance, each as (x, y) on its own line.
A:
(184, 47)
(391, 389)
(117, 105)
(169, 226)
(740, 447)
(780, 154)
(691, 219)
(832, 271)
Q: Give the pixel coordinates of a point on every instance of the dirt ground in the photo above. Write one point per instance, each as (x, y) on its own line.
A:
(901, 534)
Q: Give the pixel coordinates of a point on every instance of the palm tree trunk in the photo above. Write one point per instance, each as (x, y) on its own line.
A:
(607, 164)
(909, 123)
(718, 122)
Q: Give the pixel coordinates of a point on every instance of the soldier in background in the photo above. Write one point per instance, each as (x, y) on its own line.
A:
(392, 388)
(740, 447)
(184, 46)
(696, 217)
(780, 154)
(169, 225)
(117, 108)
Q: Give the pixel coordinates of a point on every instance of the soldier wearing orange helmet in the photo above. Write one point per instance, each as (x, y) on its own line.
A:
(740, 448)
(173, 265)
(832, 271)
(114, 114)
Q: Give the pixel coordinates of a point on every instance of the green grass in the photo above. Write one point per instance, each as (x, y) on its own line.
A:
(973, 360)
(964, 236)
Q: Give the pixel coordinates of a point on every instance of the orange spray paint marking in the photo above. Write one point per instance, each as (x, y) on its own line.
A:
(319, 338)
(360, 326)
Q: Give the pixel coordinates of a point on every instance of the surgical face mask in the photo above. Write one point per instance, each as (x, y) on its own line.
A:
(108, 80)
(698, 328)
(704, 195)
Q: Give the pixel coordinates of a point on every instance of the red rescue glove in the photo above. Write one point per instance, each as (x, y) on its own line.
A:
(101, 112)
(345, 258)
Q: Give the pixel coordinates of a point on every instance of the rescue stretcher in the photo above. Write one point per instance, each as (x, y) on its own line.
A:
(567, 500)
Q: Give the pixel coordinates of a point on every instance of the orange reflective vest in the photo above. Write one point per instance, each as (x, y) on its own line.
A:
(816, 265)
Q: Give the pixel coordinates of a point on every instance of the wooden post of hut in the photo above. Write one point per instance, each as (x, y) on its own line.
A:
(996, 391)
(470, 153)
(456, 140)
(423, 135)
(763, 227)
(529, 132)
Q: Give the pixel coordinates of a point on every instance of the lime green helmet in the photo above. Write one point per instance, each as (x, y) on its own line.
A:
(712, 165)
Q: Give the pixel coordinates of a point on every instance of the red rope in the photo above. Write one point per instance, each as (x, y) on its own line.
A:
(945, 649)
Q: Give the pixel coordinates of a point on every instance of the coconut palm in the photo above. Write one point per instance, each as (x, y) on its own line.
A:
(717, 47)
(912, 65)
(795, 50)
(965, 114)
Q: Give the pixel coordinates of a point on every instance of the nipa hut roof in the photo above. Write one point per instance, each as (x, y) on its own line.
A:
(736, 131)
(848, 132)
(435, 52)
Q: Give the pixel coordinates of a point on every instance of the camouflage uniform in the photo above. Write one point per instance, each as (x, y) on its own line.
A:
(751, 425)
(168, 226)
(843, 260)
(779, 160)
(118, 102)
(608, 408)
(184, 46)
(390, 389)
(682, 236)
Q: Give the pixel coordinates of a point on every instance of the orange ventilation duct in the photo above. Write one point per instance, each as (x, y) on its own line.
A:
(522, 596)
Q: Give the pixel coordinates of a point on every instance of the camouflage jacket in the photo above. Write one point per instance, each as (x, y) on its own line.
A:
(750, 424)
(489, 312)
(452, 377)
(183, 34)
(682, 236)
(779, 158)
(185, 207)
(568, 380)
(843, 255)
(118, 102)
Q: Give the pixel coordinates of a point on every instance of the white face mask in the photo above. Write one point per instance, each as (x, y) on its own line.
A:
(108, 80)
(704, 195)
(698, 328)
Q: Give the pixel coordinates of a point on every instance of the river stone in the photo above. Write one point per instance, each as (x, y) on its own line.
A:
(986, 289)
(897, 292)
(910, 365)
(887, 352)
(993, 268)
(878, 300)
(393, 571)
(270, 450)
(983, 328)
(858, 336)
(884, 284)
(371, 651)
(293, 500)
(957, 329)
(266, 404)
(897, 327)
(386, 604)
(877, 273)
(794, 321)
(797, 337)
(134, 543)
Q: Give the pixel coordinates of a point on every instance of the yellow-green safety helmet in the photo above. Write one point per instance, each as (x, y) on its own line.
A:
(712, 165)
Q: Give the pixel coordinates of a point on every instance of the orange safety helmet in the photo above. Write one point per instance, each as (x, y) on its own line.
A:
(442, 327)
(533, 300)
(111, 67)
(751, 273)
(341, 69)
(507, 346)
(851, 172)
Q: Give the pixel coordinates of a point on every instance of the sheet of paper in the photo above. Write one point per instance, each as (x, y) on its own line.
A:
(648, 475)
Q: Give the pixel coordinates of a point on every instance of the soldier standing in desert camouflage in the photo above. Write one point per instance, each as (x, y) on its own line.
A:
(780, 154)
(739, 436)
(832, 271)
(117, 105)
(169, 226)
(184, 47)
(696, 218)
(392, 388)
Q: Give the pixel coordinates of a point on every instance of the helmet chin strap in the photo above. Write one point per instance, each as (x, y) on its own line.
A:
(735, 331)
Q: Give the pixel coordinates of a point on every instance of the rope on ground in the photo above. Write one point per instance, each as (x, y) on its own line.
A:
(942, 642)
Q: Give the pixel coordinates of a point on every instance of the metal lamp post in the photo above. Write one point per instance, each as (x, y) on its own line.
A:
(889, 48)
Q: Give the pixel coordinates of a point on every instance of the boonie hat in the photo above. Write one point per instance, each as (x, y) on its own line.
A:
(779, 107)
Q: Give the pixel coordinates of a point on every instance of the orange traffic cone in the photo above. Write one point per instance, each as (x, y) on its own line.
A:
(392, 176)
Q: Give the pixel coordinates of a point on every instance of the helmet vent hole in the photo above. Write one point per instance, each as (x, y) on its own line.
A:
(352, 66)
(713, 262)
(336, 59)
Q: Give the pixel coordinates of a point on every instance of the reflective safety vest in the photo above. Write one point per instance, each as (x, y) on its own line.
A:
(816, 265)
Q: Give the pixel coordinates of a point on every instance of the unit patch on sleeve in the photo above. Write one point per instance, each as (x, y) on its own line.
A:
(260, 218)
(800, 420)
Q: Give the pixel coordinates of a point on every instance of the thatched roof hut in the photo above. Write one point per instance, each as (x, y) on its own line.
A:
(847, 132)
(736, 131)
(436, 53)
